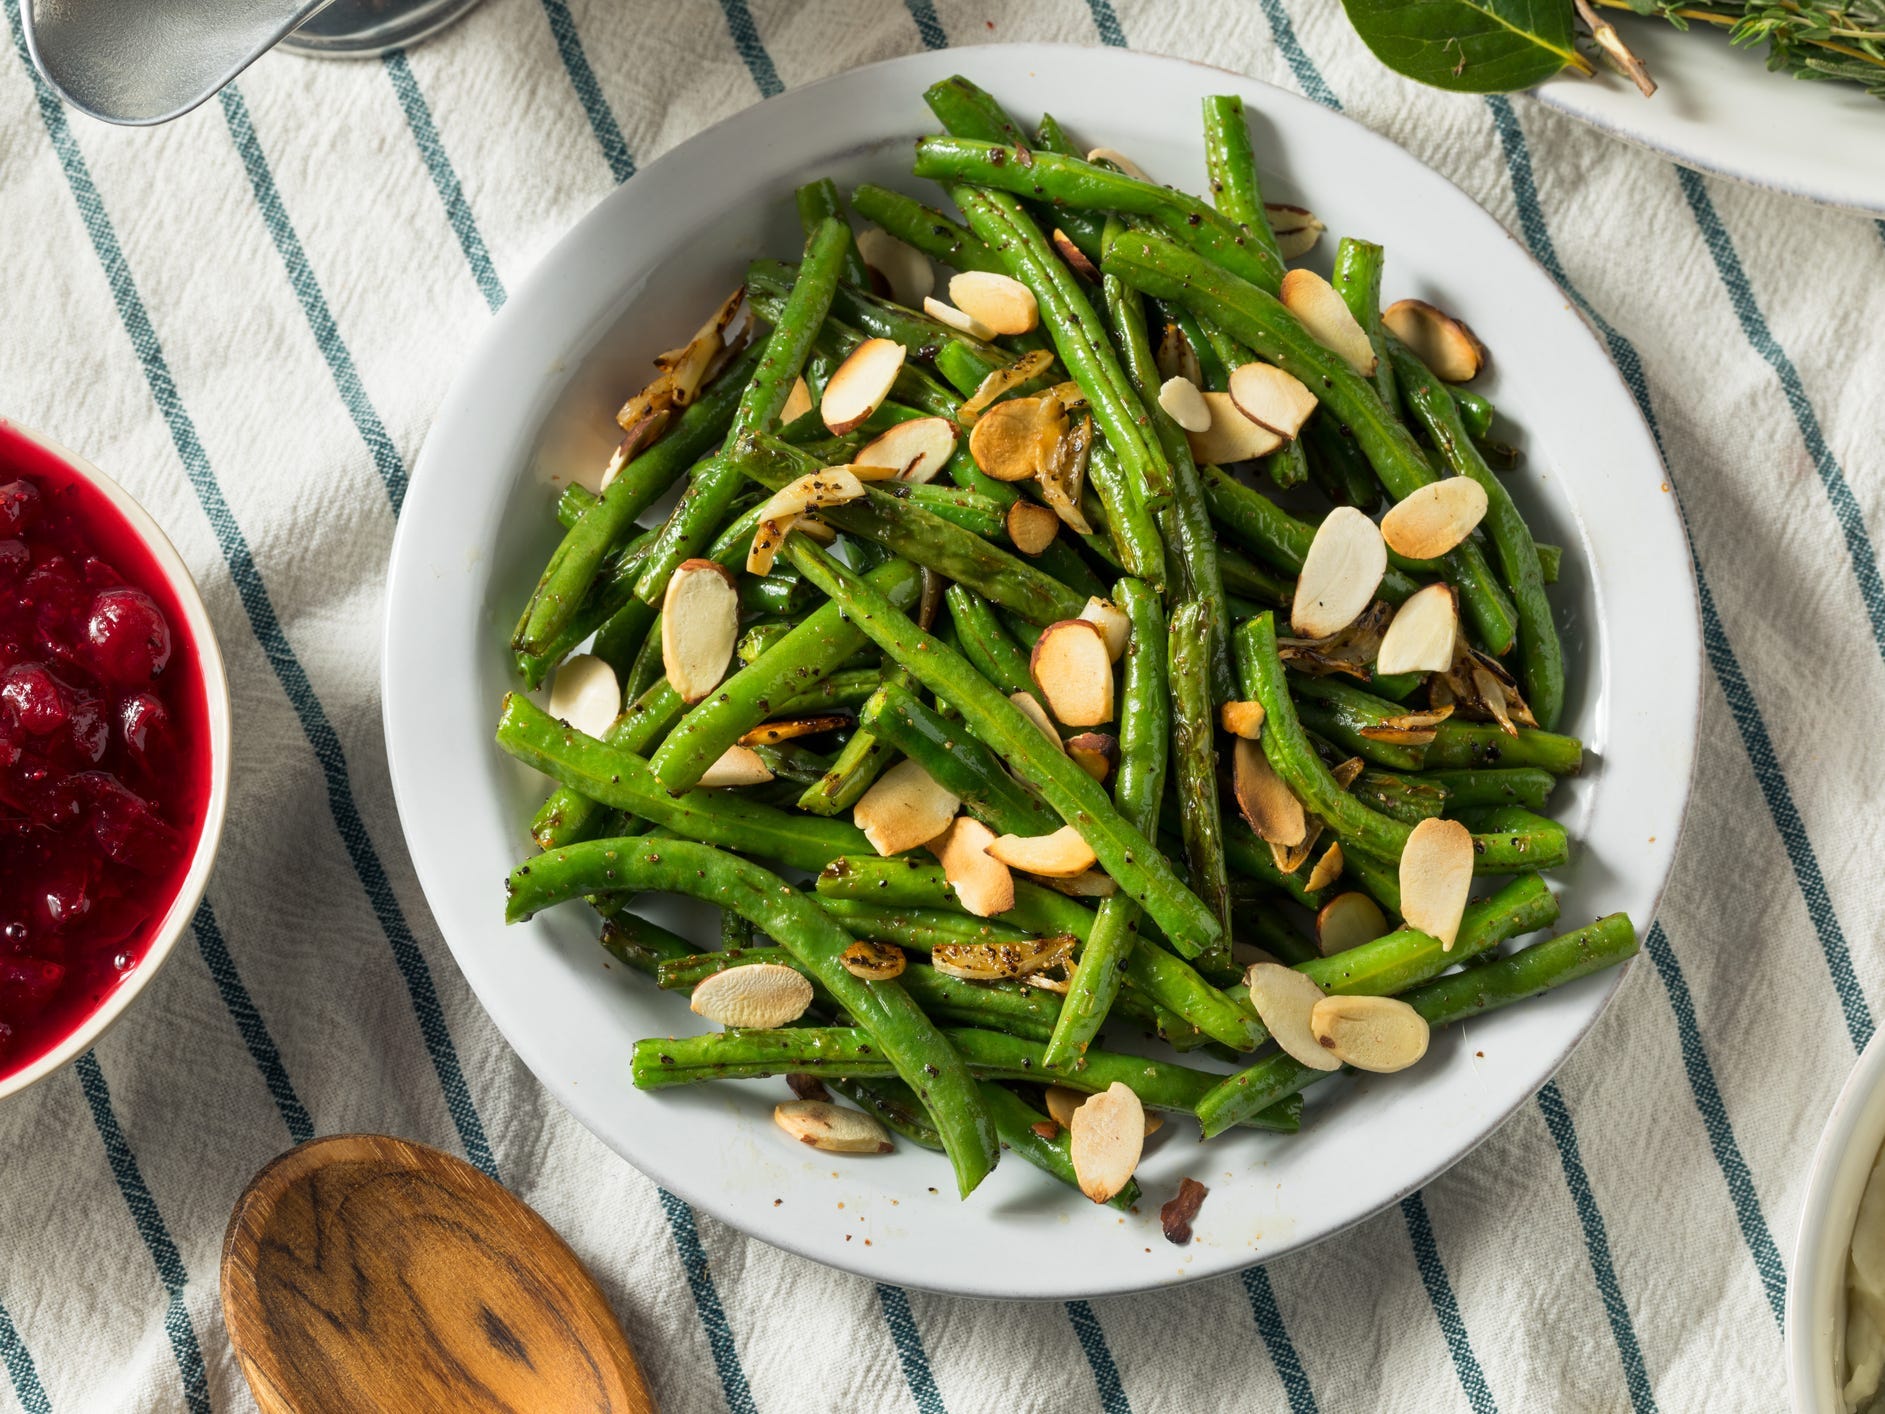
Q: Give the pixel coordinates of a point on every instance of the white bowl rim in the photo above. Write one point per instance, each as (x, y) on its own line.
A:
(217, 714)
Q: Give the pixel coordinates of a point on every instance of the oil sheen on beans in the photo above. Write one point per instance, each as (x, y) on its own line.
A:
(104, 750)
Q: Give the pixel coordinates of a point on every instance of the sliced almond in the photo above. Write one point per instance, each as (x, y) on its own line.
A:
(1379, 1034)
(1119, 160)
(997, 962)
(1031, 526)
(1445, 344)
(915, 450)
(1075, 257)
(1074, 671)
(1029, 706)
(1003, 381)
(1063, 472)
(983, 883)
(1060, 986)
(1290, 858)
(1062, 1102)
(700, 619)
(904, 808)
(1185, 404)
(1269, 807)
(1094, 753)
(1014, 439)
(737, 766)
(1339, 574)
(764, 994)
(585, 694)
(1094, 883)
(682, 372)
(963, 323)
(1113, 623)
(1060, 855)
(905, 268)
(873, 961)
(1347, 921)
(1345, 772)
(1176, 358)
(1108, 1135)
(790, 728)
(1296, 228)
(1284, 999)
(1320, 310)
(639, 436)
(1436, 876)
(1423, 635)
(1242, 719)
(1271, 398)
(1435, 518)
(996, 301)
(860, 384)
(830, 1127)
(797, 403)
(832, 486)
(1231, 437)
(1328, 869)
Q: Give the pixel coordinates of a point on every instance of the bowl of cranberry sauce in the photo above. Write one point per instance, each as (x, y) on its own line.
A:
(114, 737)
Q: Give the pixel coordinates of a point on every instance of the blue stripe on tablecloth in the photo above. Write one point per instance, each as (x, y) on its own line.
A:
(1106, 21)
(1308, 76)
(1734, 1168)
(713, 1316)
(20, 1368)
(432, 152)
(150, 1227)
(249, 1023)
(928, 26)
(1099, 1358)
(1755, 740)
(752, 49)
(1734, 279)
(582, 78)
(1597, 1245)
(1269, 1319)
(1446, 1308)
(307, 288)
(263, 621)
(895, 1304)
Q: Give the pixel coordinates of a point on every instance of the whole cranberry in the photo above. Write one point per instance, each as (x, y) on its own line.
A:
(14, 559)
(144, 727)
(19, 506)
(35, 698)
(128, 636)
(89, 729)
(125, 826)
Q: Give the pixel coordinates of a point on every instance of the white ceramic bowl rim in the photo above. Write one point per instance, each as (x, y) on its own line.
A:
(176, 918)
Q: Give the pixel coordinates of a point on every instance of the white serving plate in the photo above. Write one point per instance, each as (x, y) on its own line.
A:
(1719, 109)
(534, 403)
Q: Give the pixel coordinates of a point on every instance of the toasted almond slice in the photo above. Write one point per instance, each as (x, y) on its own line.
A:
(1290, 858)
(1060, 855)
(738, 766)
(1296, 228)
(904, 808)
(1347, 921)
(905, 268)
(1074, 671)
(1176, 358)
(996, 962)
(1242, 719)
(1030, 707)
(1339, 574)
(638, 436)
(1062, 1102)
(1119, 160)
(1271, 398)
(1445, 344)
(1108, 1137)
(1284, 999)
(915, 450)
(1436, 876)
(1003, 381)
(1268, 806)
(998, 302)
(1015, 439)
(797, 403)
(1379, 1034)
(982, 883)
(1320, 310)
(812, 528)
(1186, 405)
(956, 319)
(1058, 985)
(1095, 883)
(1094, 753)
(1231, 437)
(833, 486)
(1328, 868)
(788, 728)
(763, 994)
(1345, 772)
(1423, 635)
(1113, 623)
(1075, 257)
(1062, 473)
(1435, 518)
(861, 383)
(700, 618)
(1031, 526)
(826, 1126)
(585, 694)
(873, 961)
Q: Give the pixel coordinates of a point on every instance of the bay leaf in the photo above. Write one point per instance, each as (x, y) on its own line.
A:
(1470, 46)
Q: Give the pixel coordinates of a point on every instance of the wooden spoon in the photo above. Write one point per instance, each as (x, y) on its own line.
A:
(364, 1273)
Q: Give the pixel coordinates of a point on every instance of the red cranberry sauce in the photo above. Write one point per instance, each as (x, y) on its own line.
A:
(104, 750)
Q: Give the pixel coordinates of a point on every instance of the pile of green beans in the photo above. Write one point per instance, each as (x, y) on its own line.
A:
(907, 631)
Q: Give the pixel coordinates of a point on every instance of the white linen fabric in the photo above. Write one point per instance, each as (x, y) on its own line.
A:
(250, 315)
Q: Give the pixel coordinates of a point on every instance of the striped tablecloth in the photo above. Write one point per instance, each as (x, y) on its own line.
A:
(250, 315)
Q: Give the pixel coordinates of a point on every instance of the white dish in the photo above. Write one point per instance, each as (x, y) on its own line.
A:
(1720, 110)
(1816, 1292)
(535, 400)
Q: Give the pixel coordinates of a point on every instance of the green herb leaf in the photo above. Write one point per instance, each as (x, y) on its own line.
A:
(1469, 46)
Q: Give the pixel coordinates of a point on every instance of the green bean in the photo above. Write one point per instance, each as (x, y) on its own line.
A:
(635, 942)
(968, 509)
(894, 1105)
(861, 761)
(1466, 789)
(792, 761)
(1020, 1126)
(1344, 713)
(1550, 561)
(1407, 798)
(1459, 745)
(1271, 533)
(920, 928)
(1127, 521)
(957, 762)
(782, 594)
(987, 645)
(1288, 465)
(1381, 882)
(1389, 965)
(915, 386)
(569, 817)
(1252, 582)
(1194, 760)
(1232, 168)
(1275, 936)
(1251, 857)
(1358, 266)
(572, 503)
(819, 202)
(1524, 833)
(1086, 229)
(925, 228)
(1474, 409)
(1337, 465)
